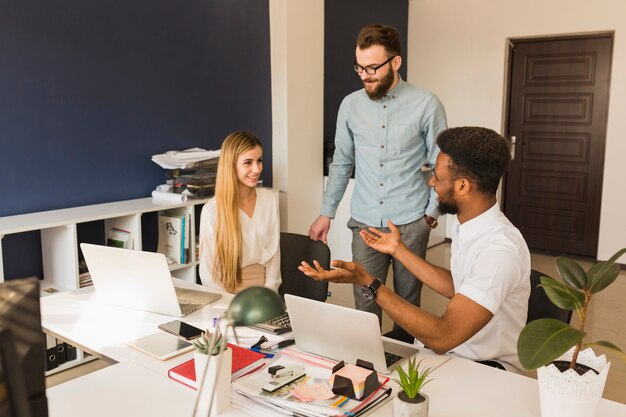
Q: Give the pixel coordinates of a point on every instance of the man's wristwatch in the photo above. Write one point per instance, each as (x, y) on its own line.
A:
(369, 291)
(432, 222)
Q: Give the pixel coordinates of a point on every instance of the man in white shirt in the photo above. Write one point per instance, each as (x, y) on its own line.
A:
(488, 284)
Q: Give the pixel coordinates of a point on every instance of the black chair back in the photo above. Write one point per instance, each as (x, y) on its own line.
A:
(540, 306)
(294, 249)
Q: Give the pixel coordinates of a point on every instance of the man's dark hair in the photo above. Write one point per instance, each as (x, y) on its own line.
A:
(476, 153)
(377, 34)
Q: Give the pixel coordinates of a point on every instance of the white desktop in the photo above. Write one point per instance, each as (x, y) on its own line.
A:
(138, 385)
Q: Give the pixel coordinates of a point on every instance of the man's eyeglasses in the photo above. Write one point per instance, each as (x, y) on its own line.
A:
(370, 70)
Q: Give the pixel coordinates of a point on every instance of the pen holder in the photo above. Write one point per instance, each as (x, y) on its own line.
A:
(219, 383)
(354, 381)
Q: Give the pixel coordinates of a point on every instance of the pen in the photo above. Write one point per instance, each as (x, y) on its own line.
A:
(278, 345)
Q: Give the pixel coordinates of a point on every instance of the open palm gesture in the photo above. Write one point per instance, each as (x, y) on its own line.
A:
(381, 241)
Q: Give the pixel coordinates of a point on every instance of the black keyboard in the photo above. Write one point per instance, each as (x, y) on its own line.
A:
(392, 358)
(280, 324)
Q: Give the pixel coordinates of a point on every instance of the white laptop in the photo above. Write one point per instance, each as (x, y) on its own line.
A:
(343, 334)
(141, 281)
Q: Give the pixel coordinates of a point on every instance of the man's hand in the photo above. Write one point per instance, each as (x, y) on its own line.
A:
(382, 242)
(345, 272)
(319, 229)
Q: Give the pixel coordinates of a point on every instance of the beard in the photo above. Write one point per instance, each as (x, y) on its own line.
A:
(382, 88)
(448, 206)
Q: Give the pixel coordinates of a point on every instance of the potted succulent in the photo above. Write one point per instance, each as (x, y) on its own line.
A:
(410, 401)
(571, 377)
(216, 367)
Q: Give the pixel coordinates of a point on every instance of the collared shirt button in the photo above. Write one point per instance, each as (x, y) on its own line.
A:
(385, 106)
(381, 165)
(381, 202)
(382, 146)
(381, 184)
(383, 126)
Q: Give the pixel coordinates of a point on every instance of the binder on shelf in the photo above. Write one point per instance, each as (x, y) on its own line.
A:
(52, 360)
(61, 352)
(70, 352)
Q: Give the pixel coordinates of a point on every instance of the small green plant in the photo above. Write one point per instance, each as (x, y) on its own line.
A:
(544, 340)
(203, 343)
(412, 381)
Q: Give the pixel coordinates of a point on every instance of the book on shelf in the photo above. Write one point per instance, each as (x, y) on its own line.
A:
(120, 238)
(84, 280)
(244, 362)
(171, 237)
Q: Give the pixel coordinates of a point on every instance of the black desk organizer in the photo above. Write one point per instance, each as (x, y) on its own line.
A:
(344, 386)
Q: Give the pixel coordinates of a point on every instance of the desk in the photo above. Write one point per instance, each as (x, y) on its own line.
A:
(138, 384)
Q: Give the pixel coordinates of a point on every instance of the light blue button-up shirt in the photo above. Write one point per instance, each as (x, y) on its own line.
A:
(387, 141)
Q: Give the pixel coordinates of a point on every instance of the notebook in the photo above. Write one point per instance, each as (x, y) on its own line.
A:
(141, 281)
(342, 333)
(244, 362)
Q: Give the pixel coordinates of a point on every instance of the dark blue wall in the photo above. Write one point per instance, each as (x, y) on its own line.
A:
(89, 90)
(343, 19)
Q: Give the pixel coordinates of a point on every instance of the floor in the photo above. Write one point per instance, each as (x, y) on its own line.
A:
(603, 322)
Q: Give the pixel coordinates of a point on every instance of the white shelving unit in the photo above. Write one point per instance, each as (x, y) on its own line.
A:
(59, 238)
(60, 242)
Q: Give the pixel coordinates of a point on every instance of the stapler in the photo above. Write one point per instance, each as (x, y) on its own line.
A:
(282, 375)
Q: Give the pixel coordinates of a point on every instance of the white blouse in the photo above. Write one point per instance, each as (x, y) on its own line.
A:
(260, 235)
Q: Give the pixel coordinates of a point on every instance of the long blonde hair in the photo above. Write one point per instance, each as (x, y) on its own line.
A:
(228, 239)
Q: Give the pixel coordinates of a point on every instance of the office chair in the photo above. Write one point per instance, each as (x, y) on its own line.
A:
(294, 249)
(540, 306)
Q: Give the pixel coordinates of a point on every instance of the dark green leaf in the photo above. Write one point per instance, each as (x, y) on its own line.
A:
(606, 344)
(562, 295)
(571, 272)
(610, 346)
(602, 275)
(544, 340)
(617, 255)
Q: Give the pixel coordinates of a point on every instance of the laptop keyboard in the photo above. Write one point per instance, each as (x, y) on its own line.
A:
(392, 358)
(280, 324)
(183, 302)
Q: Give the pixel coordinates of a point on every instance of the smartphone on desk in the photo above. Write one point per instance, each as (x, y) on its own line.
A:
(181, 329)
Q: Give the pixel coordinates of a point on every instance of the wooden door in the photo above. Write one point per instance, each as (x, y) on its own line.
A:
(557, 113)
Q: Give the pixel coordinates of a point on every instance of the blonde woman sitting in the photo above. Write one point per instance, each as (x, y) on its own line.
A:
(239, 227)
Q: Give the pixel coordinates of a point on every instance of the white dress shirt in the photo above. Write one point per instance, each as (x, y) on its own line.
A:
(260, 235)
(490, 264)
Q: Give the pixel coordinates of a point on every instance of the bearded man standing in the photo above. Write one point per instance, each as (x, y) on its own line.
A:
(387, 132)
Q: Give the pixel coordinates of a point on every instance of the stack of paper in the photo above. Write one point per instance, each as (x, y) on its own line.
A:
(286, 401)
(183, 159)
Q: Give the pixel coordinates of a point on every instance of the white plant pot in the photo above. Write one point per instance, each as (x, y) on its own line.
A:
(403, 408)
(569, 394)
(220, 384)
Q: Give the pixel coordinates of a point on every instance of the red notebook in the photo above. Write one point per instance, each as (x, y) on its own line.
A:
(244, 361)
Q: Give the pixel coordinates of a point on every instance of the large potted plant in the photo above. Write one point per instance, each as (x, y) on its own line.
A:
(570, 376)
(216, 368)
(410, 401)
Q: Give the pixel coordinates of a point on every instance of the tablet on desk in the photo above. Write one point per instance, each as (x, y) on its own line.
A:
(161, 345)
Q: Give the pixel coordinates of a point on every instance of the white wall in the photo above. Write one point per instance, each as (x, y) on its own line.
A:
(457, 49)
(297, 59)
